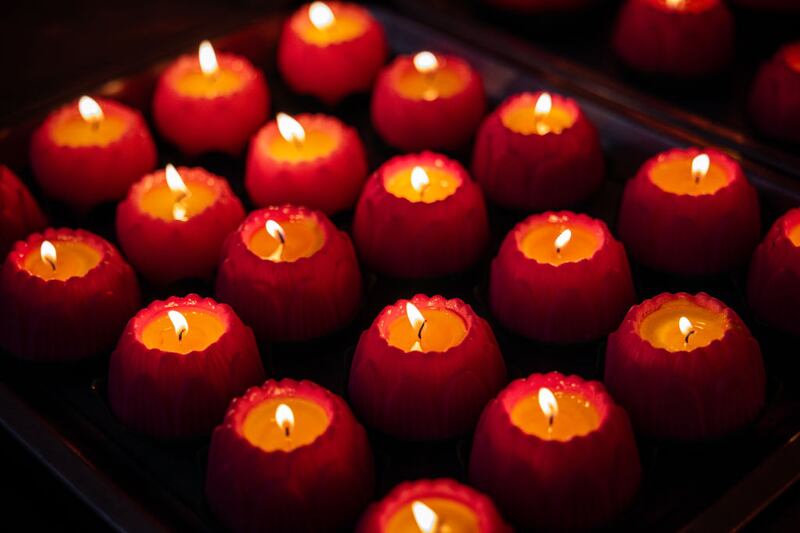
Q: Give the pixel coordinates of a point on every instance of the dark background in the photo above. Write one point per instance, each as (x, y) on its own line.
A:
(51, 51)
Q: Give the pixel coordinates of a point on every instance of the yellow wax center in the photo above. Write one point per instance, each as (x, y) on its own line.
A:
(317, 144)
(161, 202)
(794, 235)
(205, 328)
(263, 430)
(662, 327)
(575, 417)
(451, 516)
(345, 27)
(441, 184)
(74, 131)
(539, 243)
(674, 175)
(443, 330)
(522, 118)
(443, 82)
(304, 238)
(73, 258)
(200, 85)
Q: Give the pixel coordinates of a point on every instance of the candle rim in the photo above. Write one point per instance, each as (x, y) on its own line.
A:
(529, 98)
(195, 174)
(111, 108)
(32, 243)
(426, 158)
(590, 390)
(157, 308)
(594, 225)
(310, 122)
(402, 63)
(692, 7)
(397, 311)
(728, 165)
(257, 219)
(701, 299)
(188, 64)
(300, 21)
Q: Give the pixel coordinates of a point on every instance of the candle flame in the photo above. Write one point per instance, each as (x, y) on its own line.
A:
(563, 239)
(424, 516)
(275, 231)
(174, 181)
(419, 179)
(543, 106)
(417, 324)
(48, 253)
(686, 327)
(321, 15)
(284, 417)
(548, 403)
(90, 110)
(675, 4)
(700, 166)
(291, 130)
(425, 62)
(208, 59)
(178, 322)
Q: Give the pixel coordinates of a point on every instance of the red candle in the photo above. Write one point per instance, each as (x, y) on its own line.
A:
(425, 369)
(310, 160)
(290, 274)
(550, 445)
(685, 367)
(420, 215)
(538, 151)
(690, 212)
(178, 364)
(174, 221)
(330, 50)
(430, 506)
(19, 213)
(773, 287)
(682, 38)
(66, 294)
(210, 102)
(428, 101)
(560, 278)
(90, 151)
(775, 97)
(289, 456)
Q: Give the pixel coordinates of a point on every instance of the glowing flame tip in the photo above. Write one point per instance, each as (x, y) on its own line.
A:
(207, 57)
(284, 417)
(290, 129)
(563, 239)
(543, 105)
(425, 62)
(548, 403)
(321, 15)
(90, 110)
(48, 253)
(178, 322)
(419, 178)
(700, 166)
(424, 516)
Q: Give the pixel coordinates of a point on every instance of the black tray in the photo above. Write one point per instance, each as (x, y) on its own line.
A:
(61, 414)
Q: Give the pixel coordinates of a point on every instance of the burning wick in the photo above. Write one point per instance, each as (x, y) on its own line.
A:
(562, 240)
(284, 417)
(179, 323)
(90, 111)
(419, 180)
(426, 518)
(426, 64)
(700, 165)
(179, 189)
(48, 253)
(276, 232)
(549, 406)
(417, 323)
(687, 329)
(320, 15)
(291, 130)
(208, 60)
(540, 111)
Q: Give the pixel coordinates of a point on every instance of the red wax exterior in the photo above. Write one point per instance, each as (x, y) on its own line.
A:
(331, 72)
(535, 172)
(290, 301)
(548, 484)
(330, 184)
(406, 239)
(223, 123)
(425, 395)
(775, 97)
(698, 394)
(321, 486)
(572, 302)
(85, 176)
(170, 395)
(773, 287)
(377, 517)
(55, 320)
(166, 251)
(19, 213)
(440, 124)
(542, 6)
(656, 39)
(690, 235)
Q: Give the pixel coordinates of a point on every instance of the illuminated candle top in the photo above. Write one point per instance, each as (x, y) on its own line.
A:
(320, 15)
(555, 241)
(210, 79)
(176, 198)
(330, 24)
(61, 259)
(435, 330)
(288, 240)
(89, 127)
(285, 423)
(693, 176)
(433, 514)
(682, 325)
(555, 415)
(423, 183)
(530, 114)
(296, 143)
(183, 330)
(428, 77)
